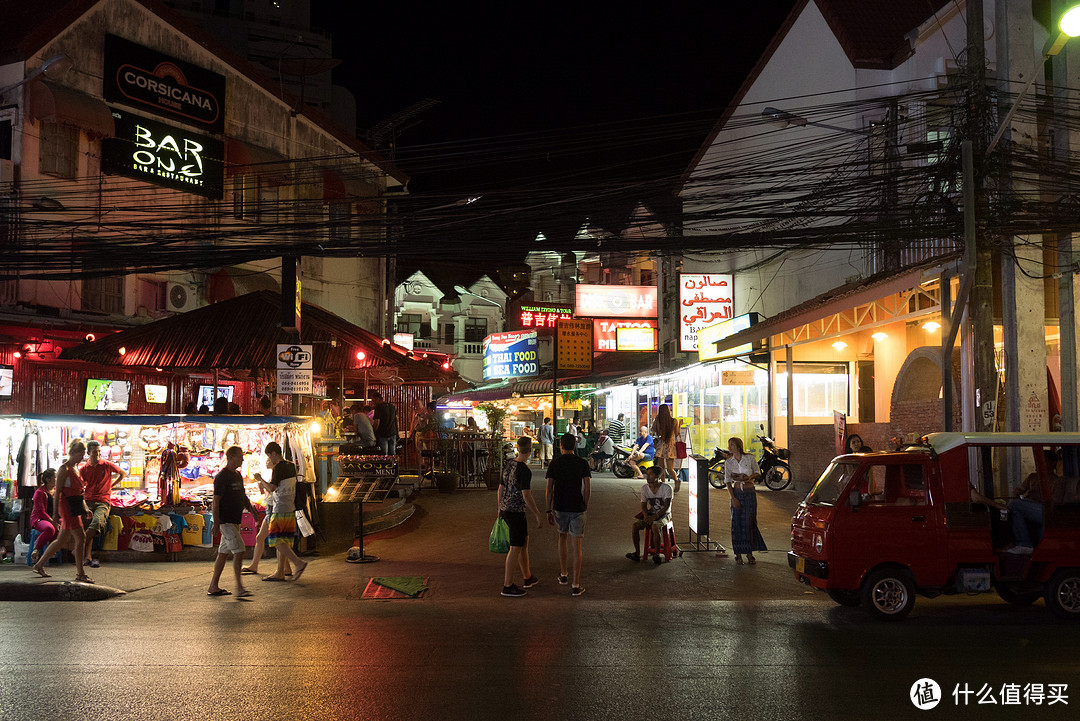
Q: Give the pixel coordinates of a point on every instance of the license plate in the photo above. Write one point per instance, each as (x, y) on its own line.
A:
(800, 565)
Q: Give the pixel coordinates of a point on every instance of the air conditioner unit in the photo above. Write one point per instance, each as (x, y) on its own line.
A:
(7, 176)
(180, 297)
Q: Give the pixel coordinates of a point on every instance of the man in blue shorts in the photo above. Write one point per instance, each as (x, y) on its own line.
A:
(515, 497)
(569, 486)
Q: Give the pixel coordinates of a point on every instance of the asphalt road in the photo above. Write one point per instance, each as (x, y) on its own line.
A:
(698, 638)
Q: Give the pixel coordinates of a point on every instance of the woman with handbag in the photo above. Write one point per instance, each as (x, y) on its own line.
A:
(72, 508)
(665, 430)
(740, 473)
(683, 449)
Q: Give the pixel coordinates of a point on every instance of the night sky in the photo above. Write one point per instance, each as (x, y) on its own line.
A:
(524, 67)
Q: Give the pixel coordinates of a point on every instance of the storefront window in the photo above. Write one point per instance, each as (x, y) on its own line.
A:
(820, 389)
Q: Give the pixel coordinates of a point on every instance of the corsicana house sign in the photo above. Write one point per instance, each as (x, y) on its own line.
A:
(150, 81)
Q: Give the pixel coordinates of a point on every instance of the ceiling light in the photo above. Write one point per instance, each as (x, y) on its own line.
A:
(839, 345)
(123, 350)
(931, 326)
(880, 336)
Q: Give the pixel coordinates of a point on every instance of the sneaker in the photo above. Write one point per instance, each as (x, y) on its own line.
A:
(577, 590)
(1024, 550)
(531, 581)
(563, 580)
(512, 591)
(95, 563)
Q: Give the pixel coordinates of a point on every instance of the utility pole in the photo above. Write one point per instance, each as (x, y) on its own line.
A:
(982, 293)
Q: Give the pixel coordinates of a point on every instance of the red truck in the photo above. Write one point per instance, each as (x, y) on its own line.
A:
(878, 528)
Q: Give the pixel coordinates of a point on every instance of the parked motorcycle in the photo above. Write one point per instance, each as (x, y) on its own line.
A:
(775, 472)
(620, 461)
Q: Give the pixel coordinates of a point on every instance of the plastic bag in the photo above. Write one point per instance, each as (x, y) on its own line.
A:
(304, 525)
(499, 540)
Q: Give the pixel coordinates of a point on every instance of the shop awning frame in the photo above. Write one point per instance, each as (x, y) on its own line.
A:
(856, 306)
(58, 104)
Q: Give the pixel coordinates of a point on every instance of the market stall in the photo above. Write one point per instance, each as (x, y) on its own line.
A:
(163, 503)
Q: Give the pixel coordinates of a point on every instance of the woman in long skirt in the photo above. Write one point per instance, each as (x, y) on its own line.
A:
(740, 473)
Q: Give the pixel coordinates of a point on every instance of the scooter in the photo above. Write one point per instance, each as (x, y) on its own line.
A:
(775, 472)
(773, 464)
(621, 465)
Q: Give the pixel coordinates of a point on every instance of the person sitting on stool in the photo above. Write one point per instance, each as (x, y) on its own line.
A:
(605, 449)
(655, 510)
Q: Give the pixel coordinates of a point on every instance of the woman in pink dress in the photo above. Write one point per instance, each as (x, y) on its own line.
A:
(40, 520)
(69, 492)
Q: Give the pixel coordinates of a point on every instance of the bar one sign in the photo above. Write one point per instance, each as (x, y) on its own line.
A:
(616, 301)
(164, 155)
(145, 78)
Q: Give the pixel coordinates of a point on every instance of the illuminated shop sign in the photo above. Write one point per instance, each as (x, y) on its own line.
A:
(405, 340)
(705, 299)
(543, 317)
(164, 155)
(708, 337)
(511, 355)
(145, 78)
(635, 339)
(605, 332)
(616, 301)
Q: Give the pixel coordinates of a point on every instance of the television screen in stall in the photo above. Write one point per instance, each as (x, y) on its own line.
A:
(155, 394)
(7, 376)
(206, 395)
(106, 395)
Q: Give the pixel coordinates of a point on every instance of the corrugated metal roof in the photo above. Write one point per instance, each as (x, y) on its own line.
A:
(241, 334)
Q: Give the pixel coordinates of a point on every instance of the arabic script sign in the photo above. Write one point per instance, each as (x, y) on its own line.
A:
(704, 299)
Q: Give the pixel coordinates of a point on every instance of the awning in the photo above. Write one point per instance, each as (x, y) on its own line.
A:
(241, 158)
(57, 104)
(837, 300)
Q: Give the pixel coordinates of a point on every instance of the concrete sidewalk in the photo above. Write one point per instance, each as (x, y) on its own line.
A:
(445, 541)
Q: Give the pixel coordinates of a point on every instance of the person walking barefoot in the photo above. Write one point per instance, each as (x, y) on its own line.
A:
(69, 494)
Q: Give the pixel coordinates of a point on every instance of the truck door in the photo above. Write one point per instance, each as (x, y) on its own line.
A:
(893, 523)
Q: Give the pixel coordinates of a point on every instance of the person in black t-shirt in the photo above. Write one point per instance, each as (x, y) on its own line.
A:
(385, 424)
(569, 487)
(230, 502)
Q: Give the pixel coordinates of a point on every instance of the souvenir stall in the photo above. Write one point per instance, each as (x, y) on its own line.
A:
(164, 502)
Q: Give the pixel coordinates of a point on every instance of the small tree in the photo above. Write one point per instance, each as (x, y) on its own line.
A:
(495, 416)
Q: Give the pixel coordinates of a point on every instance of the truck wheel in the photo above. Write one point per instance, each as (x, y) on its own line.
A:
(889, 594)
(778, 477)
(1009, 594)
(1063, 593)
(844, 597)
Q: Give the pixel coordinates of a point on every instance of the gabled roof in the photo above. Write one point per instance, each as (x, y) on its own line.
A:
(26, 27)
(871, 33)
(241, 334)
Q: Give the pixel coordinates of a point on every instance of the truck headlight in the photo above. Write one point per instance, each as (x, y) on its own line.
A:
(819, 543)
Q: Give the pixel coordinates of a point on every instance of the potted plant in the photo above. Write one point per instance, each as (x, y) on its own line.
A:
(495, 417)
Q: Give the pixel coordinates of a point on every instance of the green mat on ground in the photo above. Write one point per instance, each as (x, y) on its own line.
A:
(409, 585)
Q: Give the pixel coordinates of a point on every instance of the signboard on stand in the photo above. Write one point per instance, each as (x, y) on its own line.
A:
(698, 467)
(704, 299)
(295, 372)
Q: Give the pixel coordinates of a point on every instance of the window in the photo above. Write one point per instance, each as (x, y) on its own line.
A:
(269, 207)
(475, 330)
(894, 485)
(5, 139)
(448, 334)
(409, 323)
(59, 150)
(103, 295)
(152, 295)
(341, 222)
(246, 197)
(820, 389)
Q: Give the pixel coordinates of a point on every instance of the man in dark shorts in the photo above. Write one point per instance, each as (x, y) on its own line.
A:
(515, 497)
(569, 486)
(230, 502)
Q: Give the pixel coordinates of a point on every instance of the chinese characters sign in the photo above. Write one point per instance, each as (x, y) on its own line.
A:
(541, 317)
(704, 299)
(616, 301)
(575, 344)
(511, 355)
(604, 332)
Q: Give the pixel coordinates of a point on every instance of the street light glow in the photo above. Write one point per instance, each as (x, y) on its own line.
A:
(1070, 22)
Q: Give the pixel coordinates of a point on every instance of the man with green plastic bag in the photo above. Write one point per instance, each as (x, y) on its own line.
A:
(515, 497)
